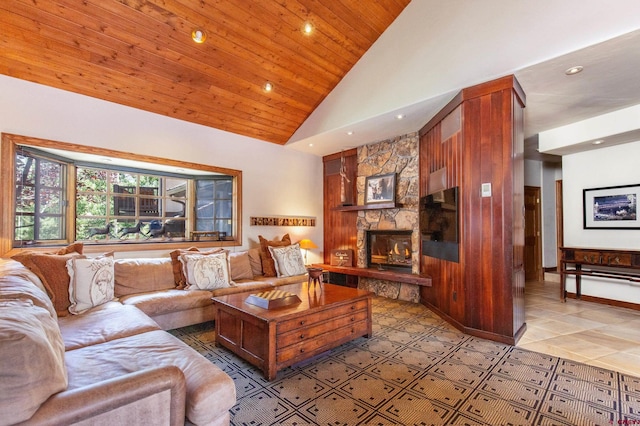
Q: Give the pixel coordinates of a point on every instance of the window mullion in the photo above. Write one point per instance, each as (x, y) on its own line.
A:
(36, 201)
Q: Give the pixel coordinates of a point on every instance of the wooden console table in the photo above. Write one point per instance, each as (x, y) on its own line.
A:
(599, 263)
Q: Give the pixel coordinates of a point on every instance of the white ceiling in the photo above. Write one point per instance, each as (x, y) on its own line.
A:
(436, 48)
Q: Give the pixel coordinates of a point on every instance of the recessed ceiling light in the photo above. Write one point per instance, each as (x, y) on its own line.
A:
(350, 132)
(307, 28)
(268, 87)
(574, 70)
(598, 142)
(199, 36)
(310, 144)
(399, 116)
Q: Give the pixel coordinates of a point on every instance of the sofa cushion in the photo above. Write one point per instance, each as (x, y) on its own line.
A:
(210, 391)
(32, 367)
(206, 271)
(268, 265)
(288, 260)
(255, 261)
(243, 285)
(275, 281)
(163, 301)
(240, 266)
(90, 282)
(51, 269)
(141, 275)
(178, 273)
(10, 267)
(16, 286)
(106, 322)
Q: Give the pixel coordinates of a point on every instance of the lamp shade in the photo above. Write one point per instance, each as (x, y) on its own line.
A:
(307, 244)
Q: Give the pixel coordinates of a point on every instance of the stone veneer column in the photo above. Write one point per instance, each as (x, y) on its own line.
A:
(400, 156)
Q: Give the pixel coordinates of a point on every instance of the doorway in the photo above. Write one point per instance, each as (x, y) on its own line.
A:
(559, 221)
(532, 234)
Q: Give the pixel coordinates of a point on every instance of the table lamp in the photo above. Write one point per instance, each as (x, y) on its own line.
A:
(307, 244)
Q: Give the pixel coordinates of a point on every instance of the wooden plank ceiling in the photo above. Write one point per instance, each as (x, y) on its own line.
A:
(140, 54)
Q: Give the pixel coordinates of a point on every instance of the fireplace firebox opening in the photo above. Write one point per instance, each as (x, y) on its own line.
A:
(389, 249)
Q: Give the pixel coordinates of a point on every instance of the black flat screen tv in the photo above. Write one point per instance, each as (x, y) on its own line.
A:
(439, 224)
(439, 216)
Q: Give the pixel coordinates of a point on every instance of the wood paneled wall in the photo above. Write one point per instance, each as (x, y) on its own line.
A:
(340, 227)
(483, 293)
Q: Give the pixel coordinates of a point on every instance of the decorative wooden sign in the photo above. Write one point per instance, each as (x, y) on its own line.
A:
(342, 257)
(282, 221)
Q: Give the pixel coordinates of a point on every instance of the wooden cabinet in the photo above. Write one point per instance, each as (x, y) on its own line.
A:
(605, 263)
(476, 143)
(340, 227)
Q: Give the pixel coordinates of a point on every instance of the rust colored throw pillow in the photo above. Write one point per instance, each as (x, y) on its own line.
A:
(178, 273)
(51, 268)
(25, 256)
(268, 264)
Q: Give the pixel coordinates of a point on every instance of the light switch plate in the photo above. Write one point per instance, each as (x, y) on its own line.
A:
(486, 190)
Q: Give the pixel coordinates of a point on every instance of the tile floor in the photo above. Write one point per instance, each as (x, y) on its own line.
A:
(593, 333)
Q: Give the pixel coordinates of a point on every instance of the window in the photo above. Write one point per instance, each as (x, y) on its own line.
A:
(62, 193)
(40, 199)
(133, 204)
(214, 208)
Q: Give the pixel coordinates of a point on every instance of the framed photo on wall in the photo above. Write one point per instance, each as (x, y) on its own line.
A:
(612, 207)
(380, 189)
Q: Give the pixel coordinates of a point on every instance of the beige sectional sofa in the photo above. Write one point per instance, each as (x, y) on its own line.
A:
(151, 285)
(113, 363)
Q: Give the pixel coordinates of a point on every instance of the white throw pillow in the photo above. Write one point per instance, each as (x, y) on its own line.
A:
(206, 272)
(288, 260)
(91, 282)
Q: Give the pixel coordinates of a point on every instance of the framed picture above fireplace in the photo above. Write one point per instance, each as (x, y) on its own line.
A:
(380, 189)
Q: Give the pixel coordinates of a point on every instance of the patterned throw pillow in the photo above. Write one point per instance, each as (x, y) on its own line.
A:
(268, 265)
(206, 272)
(91, 282)
(288, 260)
(178, 274)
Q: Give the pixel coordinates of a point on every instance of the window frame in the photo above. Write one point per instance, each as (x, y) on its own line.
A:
(10, 144)
(37, 188)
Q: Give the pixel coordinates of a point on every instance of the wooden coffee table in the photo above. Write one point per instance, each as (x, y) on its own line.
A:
(272, 339)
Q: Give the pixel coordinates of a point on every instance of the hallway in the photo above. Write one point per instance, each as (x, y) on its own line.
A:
(593, 333)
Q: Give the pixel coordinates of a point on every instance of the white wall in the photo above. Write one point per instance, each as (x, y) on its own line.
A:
(613, 166)
(277, 181)
(532, 173)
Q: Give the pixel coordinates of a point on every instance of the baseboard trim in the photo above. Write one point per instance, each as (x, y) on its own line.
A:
(603, 301)
(507, 340)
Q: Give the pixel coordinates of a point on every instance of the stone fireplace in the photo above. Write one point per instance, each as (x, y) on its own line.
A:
(390, 225)
(389, 249)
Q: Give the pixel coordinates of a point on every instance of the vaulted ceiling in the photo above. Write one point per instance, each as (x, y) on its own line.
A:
(140, 53)
(343, 85)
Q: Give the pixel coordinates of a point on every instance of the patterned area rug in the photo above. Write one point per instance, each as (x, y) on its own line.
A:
(419, 370)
